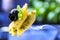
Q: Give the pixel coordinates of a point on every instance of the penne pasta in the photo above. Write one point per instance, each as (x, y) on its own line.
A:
(27, 23)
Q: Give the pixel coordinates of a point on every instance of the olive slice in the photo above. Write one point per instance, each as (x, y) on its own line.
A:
(13, 15)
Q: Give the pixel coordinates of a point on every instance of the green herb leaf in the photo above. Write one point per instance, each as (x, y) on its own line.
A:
(20, 12)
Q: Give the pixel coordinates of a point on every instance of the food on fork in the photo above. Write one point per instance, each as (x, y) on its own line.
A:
(21, 20)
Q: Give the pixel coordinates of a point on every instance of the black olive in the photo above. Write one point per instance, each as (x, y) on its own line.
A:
(13, 15)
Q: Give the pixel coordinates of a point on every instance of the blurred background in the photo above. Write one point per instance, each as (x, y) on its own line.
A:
(46, 26)
(47, 11)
